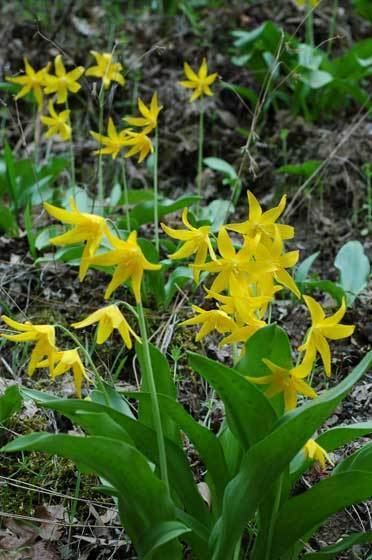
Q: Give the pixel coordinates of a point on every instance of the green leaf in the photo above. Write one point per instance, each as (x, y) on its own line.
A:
(10, 402)
(218, 164)
(42, 239)
(110, 397)
(303, 269)
(249, 414)
(302, 514)
(215, 213)
(177, 279)
(144, 213)
(267, 459)
(332, 551)
(363, 8)
(144, 503)
(8, 222)
(309, 57)
(242, 91)
(316, 79)
(324, 286)
(305, 169)
(11, 174)
(359, 460)
(354, 268)
(161, 534)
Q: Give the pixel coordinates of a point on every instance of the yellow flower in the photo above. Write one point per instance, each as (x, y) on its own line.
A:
(149, 119)
(196, 240)
(323, 327)
(113, 142)
(109, 318)
(70, 359)
(234, 264)
(287, 381)
(140, 142)
(63, 81)
(199, 82)
(88, 227)
(32, 80)
(311, 3)
(242, 334)
(58, 123)
(130, 261)
(43, 335)
(106, 69)
(315, 452)
(263, 223)
(214, 319)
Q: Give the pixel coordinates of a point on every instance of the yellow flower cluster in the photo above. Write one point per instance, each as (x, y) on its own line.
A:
(138, 143)
(60, 84)
(246, 278)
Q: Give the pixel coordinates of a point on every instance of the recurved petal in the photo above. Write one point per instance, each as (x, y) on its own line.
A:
(16, 325)
(337, 331)
(189, 72)
(316, 311)
(323, 348)
(225, 245)
(336, 317)
(255, 211)
(270, 216)
(92, 318)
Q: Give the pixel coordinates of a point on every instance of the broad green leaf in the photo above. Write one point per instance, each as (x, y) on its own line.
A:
(144, 503)
(249, 414)
(305, 169)
(354, 268)
(161, 534)
(302, 514)
(218, 164)
(332, 551)
(216, 213)
(363, 8)
(8, 222)
(144, 213)
(267, 459)
(360, 460)
(309, 57)
(303, 269)
(10, 402)
(324, 286)
(109, 396)
(42, 239)
(242, 91)
(316, 79)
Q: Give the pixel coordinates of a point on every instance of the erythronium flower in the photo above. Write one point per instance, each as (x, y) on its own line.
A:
(87, 227)
(323, 327)
(57, 123)
(63, 81)
(32, 80)
(130, 261)
(290, 382)
(213, 319)
(199, 82)
(140, 144)
(70, 360)
(109, 318)
(263, 223)
(196, 240)
(149, 119)
(43, 335)
(242, 334)
(238, 264)
(113, 142)
(106, 69)
(315, 452)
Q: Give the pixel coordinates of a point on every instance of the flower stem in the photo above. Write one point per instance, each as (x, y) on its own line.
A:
(72, 155)
(309, 24)
(97, 376)
(200, 156)
(274, 515)
(101, 192)
(332, 26)
(126, 197)
(150, 380)
(156, 201)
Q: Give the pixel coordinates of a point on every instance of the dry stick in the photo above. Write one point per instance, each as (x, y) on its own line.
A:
(291, 207)
(53, 522)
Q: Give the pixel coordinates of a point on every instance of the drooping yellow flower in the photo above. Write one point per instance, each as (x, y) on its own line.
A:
(149, 119)
(140, 144)
(109, 318)
(199, 82)
(213, 319)
(57, 123)
(106, 69)
(196, 240)
(43, 335)
(70, 360)
(290, 382)
(263, 223)
(113, 142)
(238, 264)
(63, 81)
(242, 334)
(323, 327)
(315, 452)
(130, 261)
(90, 228)
(32, 80)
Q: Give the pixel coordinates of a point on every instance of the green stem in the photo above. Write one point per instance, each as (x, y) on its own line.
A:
(332, 26)
(101, 191)
(200, 155)
(36, 136)
(150, 380)
(309, 24)
(156, 201)
(126, 196)
(97, 376)
(72, 155)
(274, 515)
